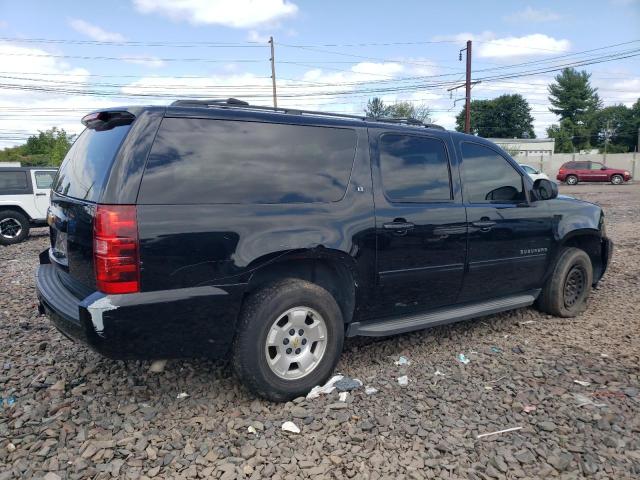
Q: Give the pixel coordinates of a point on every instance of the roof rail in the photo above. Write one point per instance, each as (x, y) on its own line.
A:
(235, 103)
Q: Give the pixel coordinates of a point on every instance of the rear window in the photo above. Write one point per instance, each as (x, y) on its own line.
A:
(13, 182)
(84, 171)
(200, 161)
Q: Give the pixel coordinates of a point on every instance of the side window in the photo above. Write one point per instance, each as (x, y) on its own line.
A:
(13, 182)
(582, 166)
(488, 176)
(596, 166)
(201, 161)
(414, 169)
(528, 169)
(44, 179)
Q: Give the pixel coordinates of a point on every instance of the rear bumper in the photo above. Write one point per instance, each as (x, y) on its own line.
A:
(187, 322)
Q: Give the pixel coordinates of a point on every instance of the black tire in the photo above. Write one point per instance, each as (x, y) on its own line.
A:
(571, 180)
(566, 292)
(617, 179)
(259, 312)
(8, 234)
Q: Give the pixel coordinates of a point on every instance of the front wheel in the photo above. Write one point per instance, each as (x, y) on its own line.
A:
(617, 179)
(14, 227)
(571, 180)
(289, 339)
(566, 292)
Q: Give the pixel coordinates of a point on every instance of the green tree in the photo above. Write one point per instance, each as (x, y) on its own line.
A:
(572, 96)
(577, 103)
(45, 148)
(506, 116)
(376, 108)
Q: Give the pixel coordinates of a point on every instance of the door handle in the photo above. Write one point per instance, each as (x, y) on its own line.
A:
(484, 225)
(398, 225)
(40, 194)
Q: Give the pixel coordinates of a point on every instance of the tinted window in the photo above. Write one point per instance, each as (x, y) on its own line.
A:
(84, 170)
(13, 180)
(596, 166)
(569, 165)
(488, 177)
(581, 166)
(215, 161)
(44, 179)
(414, 169)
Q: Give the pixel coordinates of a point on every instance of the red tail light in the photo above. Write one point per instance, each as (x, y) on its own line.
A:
(561, 171)
(115, 249)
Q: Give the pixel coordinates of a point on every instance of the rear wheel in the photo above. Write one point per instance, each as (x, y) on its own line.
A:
(566, 291)
(14, 227)
(289, 339)
(571, 180)
(617, 179)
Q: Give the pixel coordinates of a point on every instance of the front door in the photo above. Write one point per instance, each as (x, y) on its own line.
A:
(42, 180)
(420, 222)
(509, 237)
(597, 172)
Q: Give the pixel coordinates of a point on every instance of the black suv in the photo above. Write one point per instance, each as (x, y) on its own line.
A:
(214, 228)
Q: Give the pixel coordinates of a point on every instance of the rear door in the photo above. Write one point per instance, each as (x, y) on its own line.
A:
(583, 171)
(420, 221)
(42, 181)
(75, 192)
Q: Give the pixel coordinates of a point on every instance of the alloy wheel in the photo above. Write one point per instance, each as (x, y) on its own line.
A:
(10, 228)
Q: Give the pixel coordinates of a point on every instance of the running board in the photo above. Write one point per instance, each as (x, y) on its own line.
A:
(395, 325)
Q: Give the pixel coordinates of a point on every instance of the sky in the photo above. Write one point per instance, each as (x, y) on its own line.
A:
(60, 60)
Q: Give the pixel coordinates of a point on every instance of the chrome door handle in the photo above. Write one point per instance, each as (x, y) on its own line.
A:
(484, 225)
(398, 225)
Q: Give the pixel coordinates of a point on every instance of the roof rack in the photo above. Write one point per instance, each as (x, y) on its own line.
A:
(236, 103)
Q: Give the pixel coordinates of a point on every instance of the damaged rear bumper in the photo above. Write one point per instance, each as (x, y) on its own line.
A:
(187, 322)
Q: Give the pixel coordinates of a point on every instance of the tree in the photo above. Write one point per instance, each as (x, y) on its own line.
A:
(617, 126)
(576, 102)
(507, 116)
(572, 96)
(376, 108)
(46, 148)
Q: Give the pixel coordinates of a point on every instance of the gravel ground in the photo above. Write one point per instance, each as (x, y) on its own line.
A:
(77, 415)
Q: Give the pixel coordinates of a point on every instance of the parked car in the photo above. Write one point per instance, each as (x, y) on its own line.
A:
(24, 199)
(573, 172)
(533, 173)
(219, 228)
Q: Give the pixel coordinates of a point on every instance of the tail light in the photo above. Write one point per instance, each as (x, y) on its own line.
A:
(115, 249)
(561, 171)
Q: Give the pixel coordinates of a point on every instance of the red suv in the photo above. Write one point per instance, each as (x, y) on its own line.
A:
(573, 172)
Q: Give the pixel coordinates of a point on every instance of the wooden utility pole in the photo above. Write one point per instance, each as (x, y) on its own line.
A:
(273, 73)
(467, 103)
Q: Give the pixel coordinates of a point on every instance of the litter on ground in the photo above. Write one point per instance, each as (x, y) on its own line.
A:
(403, 381)
(463, 359)
(290, 427)
(324, 389)
(499, 432)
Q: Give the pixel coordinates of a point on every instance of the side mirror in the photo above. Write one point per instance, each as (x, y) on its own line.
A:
(544, 189)
(603, 168)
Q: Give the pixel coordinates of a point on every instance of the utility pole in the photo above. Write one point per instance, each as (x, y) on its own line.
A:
(467, 103)
(606, 140)
(273, 73)
(467, 84)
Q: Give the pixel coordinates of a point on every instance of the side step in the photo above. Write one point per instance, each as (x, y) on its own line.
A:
(407, 323)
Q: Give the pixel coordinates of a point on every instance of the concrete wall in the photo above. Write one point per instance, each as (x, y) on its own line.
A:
(550, 164)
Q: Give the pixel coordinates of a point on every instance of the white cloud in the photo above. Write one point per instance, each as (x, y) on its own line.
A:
(4, 24)
(535, 44)
(530, 14)
(231, 13)
(488, 45)
(95, 32)
(255, 36)
(152, 62)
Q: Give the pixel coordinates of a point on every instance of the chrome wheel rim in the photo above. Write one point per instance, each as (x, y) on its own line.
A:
(10, 228)
(571, 181)
(616, 180)
(296, 343)
(574, 286)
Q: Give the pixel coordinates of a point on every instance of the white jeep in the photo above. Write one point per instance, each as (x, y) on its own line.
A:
(24, 200)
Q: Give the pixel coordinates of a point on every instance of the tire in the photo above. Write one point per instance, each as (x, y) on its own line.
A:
(263, 326)
(617, 179)
(14, 227)
(566, 292)
(571, 180)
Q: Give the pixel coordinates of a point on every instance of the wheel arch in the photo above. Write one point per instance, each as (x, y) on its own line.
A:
(331, 269)
(590, 241)
(16, 208)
